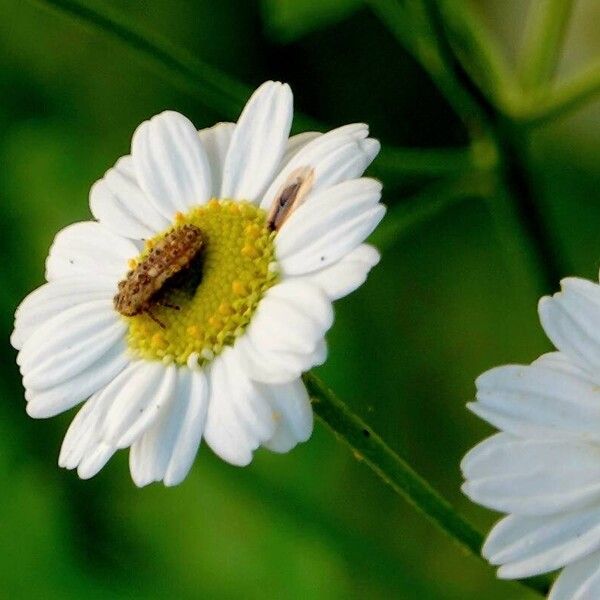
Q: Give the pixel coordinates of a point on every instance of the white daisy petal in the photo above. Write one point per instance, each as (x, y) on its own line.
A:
(298, 311)
(89, 249)
(224, 432)
(249, 404)
(282, 441)
(335, 156)
(527, 546)
(94, 460)
(61, 397)
(171, 164)
(544, 469)
(258, 142)
(329, 225)
(579, 581)
(296, 142)
(347, 274)
(278, 367)
(559, 362)
(271, 367)
(148, 390)
(83, 435)
(540, 400)
(69, 343)
(85, 446)
(118, 202)
(571, 319)
(216, 142)
(532, 477)
(290, 322)
(52, 298)
(293, 413)
(167, 450)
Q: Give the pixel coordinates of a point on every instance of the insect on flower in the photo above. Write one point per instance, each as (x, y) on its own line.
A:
(142, 287)
(291, 196)
(214, 222)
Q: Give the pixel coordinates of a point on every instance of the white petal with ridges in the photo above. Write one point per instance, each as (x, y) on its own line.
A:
(69, 343)
(296, 142)
(271, 367)
(52, 298)
(294, 414)
(579, 580)
(249, 404)
(216, 141)
(539, 400)
(83, 436)
(331, 224)
(147, 391)
(527, 546)
(571, 319)
(286, 333)
(118, 202)
(224, 431)
(89, 249)
(167, 450)
(258, 142)
(95, 460)
(335, 156)
(347, 274)
(61, 397)
(532, 477)
(171, 164)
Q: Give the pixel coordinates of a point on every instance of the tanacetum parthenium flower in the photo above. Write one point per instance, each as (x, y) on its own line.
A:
(543, 468)
(203, 290)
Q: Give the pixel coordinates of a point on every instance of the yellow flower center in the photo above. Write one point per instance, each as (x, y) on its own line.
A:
(210, 303)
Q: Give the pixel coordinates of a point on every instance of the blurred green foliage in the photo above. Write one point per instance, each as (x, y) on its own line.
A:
(288, 20)
(448, 301)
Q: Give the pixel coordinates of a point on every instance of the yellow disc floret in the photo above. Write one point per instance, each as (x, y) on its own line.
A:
(211, 303)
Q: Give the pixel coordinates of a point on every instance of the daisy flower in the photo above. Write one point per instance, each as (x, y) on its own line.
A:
(543, 468)
(203, 290)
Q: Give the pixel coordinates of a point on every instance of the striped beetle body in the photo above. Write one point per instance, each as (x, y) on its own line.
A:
(141, 288)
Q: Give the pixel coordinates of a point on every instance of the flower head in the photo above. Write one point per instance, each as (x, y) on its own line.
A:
(193, 304)
(543, 468)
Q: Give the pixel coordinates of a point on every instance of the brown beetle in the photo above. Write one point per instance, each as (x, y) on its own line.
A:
(142, 287)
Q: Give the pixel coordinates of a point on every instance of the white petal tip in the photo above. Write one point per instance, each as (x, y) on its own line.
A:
(16, 340)
(172, 481)
(37, 412)
(371, 148)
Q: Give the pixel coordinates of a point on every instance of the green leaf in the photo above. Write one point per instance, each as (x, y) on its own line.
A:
(288, 20)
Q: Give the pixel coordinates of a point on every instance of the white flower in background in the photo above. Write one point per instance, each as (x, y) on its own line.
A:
(203, 291)
(543, 468)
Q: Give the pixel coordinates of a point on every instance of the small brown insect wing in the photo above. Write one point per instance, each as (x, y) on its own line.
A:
(290, 196)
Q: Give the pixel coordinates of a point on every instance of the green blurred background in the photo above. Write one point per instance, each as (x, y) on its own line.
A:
(448, 301)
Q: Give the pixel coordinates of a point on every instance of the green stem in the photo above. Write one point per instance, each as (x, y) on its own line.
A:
(547, 24)
(520, 210)
(369, 448)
